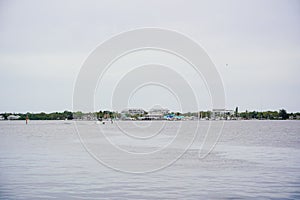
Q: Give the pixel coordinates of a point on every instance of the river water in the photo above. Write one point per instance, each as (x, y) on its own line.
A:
(251, 160)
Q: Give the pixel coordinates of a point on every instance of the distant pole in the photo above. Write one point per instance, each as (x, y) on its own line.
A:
(27, 119)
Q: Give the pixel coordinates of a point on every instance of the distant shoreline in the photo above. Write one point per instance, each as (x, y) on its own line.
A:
(171, 116)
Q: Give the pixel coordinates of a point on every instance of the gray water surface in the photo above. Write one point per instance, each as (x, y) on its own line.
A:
(253, 159)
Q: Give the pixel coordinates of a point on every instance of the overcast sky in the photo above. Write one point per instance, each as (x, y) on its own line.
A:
(44, 43)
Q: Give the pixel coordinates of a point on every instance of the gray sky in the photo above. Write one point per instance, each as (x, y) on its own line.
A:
(44, 43)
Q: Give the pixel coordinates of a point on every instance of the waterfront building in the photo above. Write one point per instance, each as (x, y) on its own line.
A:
(221, 114)
(13, 117)
(133, 111)
(162, 111)
(157, 113)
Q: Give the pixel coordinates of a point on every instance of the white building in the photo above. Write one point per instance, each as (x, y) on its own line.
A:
(157, 113)
(13, 117)
(154, 116)
(1, 117)
(133, 111)
(221, 113)
(162, 111)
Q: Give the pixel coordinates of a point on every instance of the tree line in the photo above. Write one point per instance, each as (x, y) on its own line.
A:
(42, 116)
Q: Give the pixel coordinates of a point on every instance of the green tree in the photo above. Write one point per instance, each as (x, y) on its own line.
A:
(283, 114)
